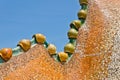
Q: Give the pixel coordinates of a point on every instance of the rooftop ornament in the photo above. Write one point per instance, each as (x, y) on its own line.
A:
(69, 49)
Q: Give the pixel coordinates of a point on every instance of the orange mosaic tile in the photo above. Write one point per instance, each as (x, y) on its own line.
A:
(97, 54)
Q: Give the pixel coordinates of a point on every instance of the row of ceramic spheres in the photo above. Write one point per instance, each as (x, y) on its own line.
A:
(6, 53)
(73, 32)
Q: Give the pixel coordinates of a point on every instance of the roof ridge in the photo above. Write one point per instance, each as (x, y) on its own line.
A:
(25, 44)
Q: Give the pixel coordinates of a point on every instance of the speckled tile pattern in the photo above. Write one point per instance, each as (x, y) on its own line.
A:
(98, 41)
(97, 54)
(33, 65)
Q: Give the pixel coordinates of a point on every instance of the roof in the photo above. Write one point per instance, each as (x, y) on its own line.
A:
(96, 55)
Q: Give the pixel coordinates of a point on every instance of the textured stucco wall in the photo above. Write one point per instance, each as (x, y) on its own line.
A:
(97, 54)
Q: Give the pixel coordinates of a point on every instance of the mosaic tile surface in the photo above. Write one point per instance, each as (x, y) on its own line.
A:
(97, 54)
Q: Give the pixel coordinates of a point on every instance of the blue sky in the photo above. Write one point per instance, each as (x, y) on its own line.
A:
(20, 19)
